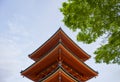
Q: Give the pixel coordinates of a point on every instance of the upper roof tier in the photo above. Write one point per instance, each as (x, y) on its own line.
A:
(59, 36)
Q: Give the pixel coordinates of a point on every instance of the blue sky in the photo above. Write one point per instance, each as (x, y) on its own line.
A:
(27, 24)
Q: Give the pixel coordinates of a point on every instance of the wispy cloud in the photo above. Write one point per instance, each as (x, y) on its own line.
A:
(11, 54)
(12, 44)
(8, 55)
(16, 26)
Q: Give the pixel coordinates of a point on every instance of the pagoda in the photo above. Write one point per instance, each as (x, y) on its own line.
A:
(59, 59)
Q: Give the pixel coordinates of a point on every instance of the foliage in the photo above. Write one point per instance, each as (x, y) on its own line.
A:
(93, 18)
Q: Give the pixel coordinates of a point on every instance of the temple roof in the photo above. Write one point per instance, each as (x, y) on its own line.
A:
(47, 63)
(59, 36)
(59, 59)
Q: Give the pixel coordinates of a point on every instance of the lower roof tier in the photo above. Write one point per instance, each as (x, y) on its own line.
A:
(47, 72)
(51, 60)
(59, 75)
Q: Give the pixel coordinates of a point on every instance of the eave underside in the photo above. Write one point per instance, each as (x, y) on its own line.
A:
(59, 75)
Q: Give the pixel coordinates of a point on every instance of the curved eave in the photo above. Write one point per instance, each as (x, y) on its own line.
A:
(59, 75)
(40, 65)
(60, 35)
(67, 41)
(67, 58)
(76, 64)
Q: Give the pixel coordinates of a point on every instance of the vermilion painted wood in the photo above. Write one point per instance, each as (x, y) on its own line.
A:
(59, 52)
(59, 36)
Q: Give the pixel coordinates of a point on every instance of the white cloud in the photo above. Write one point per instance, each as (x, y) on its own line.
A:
(11, 54)
(16, 28)
(12, 44)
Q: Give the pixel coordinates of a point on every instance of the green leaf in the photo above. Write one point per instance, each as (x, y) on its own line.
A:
(95, 18)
